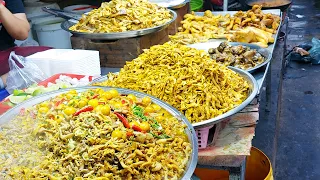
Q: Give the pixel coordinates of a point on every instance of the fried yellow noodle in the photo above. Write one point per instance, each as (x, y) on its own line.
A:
(122, 15)
(84, 136)
(184, 77)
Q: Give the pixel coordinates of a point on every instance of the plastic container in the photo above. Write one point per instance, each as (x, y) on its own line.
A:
(79, 9)
(49, 33)
(258, 167)
(33, 8)
(196, 5)
(53, 78)
(3, 94)
(203, 135)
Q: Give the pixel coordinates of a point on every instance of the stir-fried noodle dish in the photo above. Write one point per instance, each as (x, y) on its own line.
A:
(94, 134)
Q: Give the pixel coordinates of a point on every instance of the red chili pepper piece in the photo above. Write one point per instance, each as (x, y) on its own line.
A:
(123, 101)
(124, 121)
(95, 96)
(59, 102)
(85, 109)
(129, 133)
(136, 128)
(50, 116)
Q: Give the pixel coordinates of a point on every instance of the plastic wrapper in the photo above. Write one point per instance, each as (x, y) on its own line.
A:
(22, 73)
(315, 51)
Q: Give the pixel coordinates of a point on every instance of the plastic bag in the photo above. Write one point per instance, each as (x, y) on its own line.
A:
(315, 51)
(22, 73)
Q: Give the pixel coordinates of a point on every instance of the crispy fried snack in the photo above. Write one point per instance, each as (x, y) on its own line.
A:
(122, 15)
(197, 29)
(184, 77)
(201, 28)
(256, 18)
(252, 35)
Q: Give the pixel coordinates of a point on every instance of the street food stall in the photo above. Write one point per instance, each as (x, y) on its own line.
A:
(185, 96)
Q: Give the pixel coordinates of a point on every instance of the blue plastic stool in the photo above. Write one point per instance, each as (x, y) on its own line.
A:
(3, 94)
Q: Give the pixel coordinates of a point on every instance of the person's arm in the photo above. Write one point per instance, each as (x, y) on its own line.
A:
(16, 25)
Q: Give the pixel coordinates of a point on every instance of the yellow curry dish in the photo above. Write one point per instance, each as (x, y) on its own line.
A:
(94, 134)
(121, 16)
(186, 78)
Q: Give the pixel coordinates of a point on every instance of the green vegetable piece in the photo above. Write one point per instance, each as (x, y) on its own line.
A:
(17, 99)
(37, 92)
(18, 92)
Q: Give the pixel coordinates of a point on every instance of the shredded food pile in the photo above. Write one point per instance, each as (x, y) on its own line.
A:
(95, 134)
(123, 15)
(184, 77)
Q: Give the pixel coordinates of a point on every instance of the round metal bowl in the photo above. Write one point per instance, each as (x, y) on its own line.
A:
(264, 52)
(117, 35)
(9, 115)
(175, 6)
(253, 91)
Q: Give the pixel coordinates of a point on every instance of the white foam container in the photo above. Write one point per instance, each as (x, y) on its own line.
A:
(49, 32)
(55, 61)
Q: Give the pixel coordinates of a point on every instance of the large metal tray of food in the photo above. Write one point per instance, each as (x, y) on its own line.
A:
(253, 91)
(117, 35)
(265, 53)
(41, 101)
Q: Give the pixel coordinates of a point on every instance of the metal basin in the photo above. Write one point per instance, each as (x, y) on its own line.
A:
(253, 91)
(9, 115)
(117, 35)
(264, 52)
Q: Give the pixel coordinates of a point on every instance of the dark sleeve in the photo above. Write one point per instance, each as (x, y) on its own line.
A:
(15, 6)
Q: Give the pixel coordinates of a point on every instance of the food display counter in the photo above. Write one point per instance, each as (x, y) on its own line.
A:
(229, 132)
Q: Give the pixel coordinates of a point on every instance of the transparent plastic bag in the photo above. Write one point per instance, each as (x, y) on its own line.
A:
(315, 51)
(22, 73)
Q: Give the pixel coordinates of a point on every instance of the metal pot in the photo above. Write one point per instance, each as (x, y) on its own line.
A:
(270, 4)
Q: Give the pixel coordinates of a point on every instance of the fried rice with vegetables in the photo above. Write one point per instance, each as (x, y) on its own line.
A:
(94, 134)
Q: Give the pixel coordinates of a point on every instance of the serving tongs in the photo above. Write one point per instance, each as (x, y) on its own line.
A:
(73, 17)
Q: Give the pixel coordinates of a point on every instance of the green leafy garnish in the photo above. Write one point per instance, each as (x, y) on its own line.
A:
(138, 111)
(161, 136)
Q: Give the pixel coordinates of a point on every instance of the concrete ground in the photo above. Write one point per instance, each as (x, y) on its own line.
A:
(290, 132)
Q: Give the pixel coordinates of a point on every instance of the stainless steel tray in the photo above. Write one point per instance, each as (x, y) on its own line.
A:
(264, 52)
(9, 115)
(252, 94)
(117, 35)
(180, 5)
